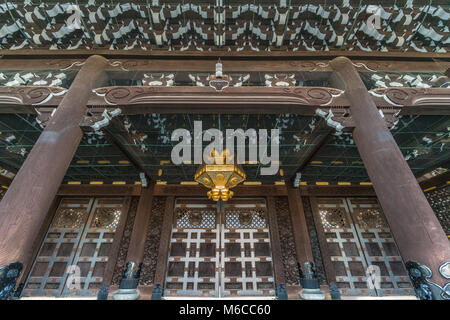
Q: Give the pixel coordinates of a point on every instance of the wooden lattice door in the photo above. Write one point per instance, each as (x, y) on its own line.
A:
(379, 246)
(246, 264)
(220, 250)
(194, 250)
(357, 237)
(74, 253)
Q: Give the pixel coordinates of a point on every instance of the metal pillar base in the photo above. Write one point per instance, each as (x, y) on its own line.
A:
(312, 294)
(8, 278)
(129, 282)
(126, 294)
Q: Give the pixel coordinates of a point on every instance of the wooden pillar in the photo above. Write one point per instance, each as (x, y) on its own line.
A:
(301, 235)
(417, 231)
(164, 242)
(137, 241)
(275, 243)
(29, 197)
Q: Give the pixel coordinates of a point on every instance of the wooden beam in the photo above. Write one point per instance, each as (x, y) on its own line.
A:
(5, 181)
(230, 65)
(118, 136)
(200, 191)
(99, 190)
(118, 54)
(435, 181)
(322, 138)
(332, 191)
(232, 100)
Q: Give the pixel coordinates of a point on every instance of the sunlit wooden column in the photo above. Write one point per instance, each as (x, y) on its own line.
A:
(30, 195)
(416, 230)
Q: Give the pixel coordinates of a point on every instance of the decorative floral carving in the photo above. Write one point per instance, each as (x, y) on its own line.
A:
(371, 218)
(333, 218)
(29, 95)
(69, 218)
(106, 218)
(314, 239)
(125, 242)
(152, 241)
(286, 232)
(411, 96)
(439, 200)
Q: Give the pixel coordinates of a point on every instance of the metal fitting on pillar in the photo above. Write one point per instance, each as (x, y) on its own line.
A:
(281, 292)
(129, 282)
(310, 283)
(157, 292)
(102, 294)
(8, 277)
(425, 289)
(334, 291)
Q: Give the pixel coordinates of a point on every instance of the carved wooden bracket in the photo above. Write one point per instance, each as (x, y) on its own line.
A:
(95, 121)
(341, 119)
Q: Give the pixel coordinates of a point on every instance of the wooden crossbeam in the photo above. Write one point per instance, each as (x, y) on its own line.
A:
(255, 100)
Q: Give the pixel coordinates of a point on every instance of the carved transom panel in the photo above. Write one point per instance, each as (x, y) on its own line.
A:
(106, 218)
(246, 218)
(333, 218)
(69, 218)
(371, 219)
(195, 218)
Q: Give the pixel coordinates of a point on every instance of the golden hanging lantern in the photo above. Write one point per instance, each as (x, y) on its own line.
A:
(220, 178)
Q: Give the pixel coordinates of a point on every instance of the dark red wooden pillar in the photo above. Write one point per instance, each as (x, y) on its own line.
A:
(25, 205)
(417, 231)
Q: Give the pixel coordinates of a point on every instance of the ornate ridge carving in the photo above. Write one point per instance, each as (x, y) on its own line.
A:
(152, 241)
(125, 242)
(295, 95)
(29, 95)
(413, 96)
(395, 98)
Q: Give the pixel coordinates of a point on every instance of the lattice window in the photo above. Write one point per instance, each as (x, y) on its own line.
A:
(371, 218)
(196, 218)
(245, 218)
(333, 217)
